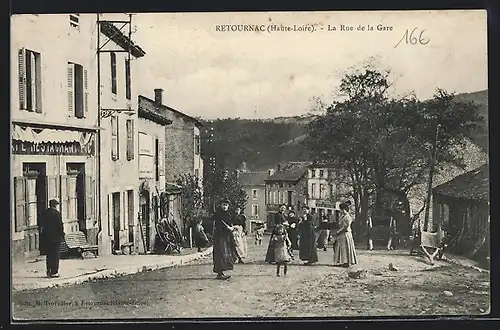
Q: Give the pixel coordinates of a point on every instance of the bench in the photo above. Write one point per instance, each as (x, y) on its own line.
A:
(427, 240)
(77, 243)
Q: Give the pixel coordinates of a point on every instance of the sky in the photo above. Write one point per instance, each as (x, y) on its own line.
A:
(248, 74)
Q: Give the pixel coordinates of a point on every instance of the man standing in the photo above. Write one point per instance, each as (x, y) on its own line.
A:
(52, 233)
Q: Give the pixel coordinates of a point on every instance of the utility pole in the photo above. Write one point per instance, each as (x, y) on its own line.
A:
(431, 174)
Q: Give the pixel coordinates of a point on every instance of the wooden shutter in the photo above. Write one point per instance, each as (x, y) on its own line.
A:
(53, 187)
(22, 78)
(114, 138)
(33, 82)
(89, 198)
(128, 82)
(86, 91)
(20, 206)
(161, 157)
(31, 201)
(130, 139)
(71, 96)
(113, 73)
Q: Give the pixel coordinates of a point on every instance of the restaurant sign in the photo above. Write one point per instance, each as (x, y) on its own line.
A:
(50, 148)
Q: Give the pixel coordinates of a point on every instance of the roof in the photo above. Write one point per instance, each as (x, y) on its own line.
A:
(472, 185)
(154, 115)
(115, 34)
(291, 171)
(167, 108)
(255, 178)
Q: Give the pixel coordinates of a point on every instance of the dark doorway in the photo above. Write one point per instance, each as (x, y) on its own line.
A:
(290, 202)
(116, 221)
(145, 218)
(79, 169)
(39, 172)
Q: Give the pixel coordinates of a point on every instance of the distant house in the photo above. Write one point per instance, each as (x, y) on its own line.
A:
(253, 182)
(461, 207)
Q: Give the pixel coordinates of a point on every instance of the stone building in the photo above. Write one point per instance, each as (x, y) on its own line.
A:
(253, 182)
(54, 125)
(183, 144)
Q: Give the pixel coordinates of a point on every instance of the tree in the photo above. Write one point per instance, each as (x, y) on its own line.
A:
(383, 145)
(192, 199)
(223, 184)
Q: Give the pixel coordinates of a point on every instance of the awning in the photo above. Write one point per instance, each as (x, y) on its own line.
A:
(48, 135)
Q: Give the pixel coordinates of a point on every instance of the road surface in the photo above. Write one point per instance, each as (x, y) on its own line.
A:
(255, 291)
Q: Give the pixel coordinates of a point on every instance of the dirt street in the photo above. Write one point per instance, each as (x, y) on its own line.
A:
(415, 288)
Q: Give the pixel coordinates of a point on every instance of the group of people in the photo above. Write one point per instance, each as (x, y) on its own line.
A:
(288, 235)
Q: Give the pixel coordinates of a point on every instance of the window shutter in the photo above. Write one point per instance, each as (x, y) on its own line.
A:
(114, 138)
(113, 73)
(130, 139)
(31, 209)
(22, 79)
(89, 198)
(20, 200)
(86, 91)
(161, 158)
(33, 82)
(54, 186)
(128, 82)
(71, 97)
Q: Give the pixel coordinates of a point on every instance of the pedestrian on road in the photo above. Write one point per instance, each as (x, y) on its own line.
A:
(259, 234)
(293, 230)
(240, 234)
(307, 241)
(279, 219)
(200, 237)
(344, 251)
(324, 233)
(52, 233)
(281, 244)
(224, 250)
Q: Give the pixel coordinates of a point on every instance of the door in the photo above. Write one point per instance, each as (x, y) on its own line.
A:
(290, 202)
(145, 219)
(36, 192)
(116, 221)
(79, 171)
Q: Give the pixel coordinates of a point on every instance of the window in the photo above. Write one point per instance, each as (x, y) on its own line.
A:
(321, 173)
(130, 139)
(197, 144)
(113, 73)
(128, 81)
(77, 90)
(322, 191)
(114, 139)
(255, 194)
(313, 173)
(29, 81)
(74, 21)
(313, 190)
(255, 210)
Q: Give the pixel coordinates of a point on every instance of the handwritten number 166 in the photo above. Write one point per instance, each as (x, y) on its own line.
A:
(410, 38)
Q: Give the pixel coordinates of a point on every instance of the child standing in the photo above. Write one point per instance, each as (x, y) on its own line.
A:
(282, 245)
(259, 234)
(200, 238)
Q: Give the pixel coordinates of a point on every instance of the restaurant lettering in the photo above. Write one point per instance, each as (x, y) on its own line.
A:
(49, 148)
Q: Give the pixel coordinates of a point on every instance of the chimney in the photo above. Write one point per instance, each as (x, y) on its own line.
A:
(159, 95)
(270, 171)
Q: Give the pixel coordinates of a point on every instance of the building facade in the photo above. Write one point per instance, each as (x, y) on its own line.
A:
(152, 184)
(323, 193)
(54, 125)
(182, 140)
(118, 147)
(253, 182)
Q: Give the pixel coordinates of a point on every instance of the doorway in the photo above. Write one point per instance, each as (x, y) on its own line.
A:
(79, 169)
(37, 203)
(145, 218)
(116, 220)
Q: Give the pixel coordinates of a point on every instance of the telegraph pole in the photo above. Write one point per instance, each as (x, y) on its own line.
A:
(431, 174)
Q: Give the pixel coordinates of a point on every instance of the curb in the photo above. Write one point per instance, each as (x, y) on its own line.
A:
(113, 273)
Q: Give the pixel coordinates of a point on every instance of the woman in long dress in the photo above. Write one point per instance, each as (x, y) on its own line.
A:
(307, 241)
(344, 252)
(324, 233)
(293, 230)
(224, 251)
(239, 234)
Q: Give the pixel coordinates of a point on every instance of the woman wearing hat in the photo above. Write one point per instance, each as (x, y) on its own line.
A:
(239, 234)
(224, 251)
(307, 238)
(293, 230)
(344, 250)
